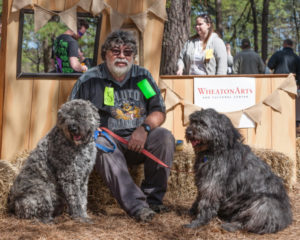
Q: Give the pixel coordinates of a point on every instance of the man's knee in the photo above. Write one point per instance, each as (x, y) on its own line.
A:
(164, 138)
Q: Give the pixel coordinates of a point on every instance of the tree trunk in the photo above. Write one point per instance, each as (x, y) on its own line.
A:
(176, 33)
(296, 26)
(255, 30)
(264, 30)
(219, 25)
(46, 55)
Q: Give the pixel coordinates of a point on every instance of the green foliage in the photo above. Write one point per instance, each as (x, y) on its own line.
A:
(37, 47)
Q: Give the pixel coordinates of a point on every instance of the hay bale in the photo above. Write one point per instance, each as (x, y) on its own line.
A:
(298, 156)
(281, 164)
(7, 175)
(19, 159)
(98, 193)
(181, 181)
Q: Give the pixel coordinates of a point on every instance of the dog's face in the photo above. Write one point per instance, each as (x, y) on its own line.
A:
(210, 130)
(78, 119)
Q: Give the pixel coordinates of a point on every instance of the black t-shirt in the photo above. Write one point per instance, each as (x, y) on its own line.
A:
(129, 106)
(65, 46)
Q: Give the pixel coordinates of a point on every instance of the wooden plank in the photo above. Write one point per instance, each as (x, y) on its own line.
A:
(129, 7)
(284, 126)
(261, 135)
(169, 123)
(65, 88)
(56, 5)
(105, 30)
(44, 109)
(4, 19)
(153, 36)
(184, 88)
(17, 98)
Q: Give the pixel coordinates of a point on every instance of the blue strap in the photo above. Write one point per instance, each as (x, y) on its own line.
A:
(103, 148)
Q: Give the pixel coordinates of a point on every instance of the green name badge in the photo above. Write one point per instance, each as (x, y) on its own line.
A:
(146, 88)
(109, 96)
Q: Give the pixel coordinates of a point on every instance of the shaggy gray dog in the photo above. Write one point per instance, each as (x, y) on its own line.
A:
(56, 172)
(232, 182)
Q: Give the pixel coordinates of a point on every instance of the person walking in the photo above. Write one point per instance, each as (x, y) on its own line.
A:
(204, 53)
(130, 105)
(248, 61)
(286, 61)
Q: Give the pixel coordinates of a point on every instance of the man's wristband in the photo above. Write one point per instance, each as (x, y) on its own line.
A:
(146, 127)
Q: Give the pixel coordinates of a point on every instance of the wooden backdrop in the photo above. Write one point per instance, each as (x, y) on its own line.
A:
(29, 106)
(277, 131)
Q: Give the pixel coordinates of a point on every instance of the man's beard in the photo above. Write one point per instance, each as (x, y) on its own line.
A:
(119, 71)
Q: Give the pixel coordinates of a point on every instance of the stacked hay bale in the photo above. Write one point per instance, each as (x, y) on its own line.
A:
(8, 171)
(98, 193)
(181, 182)
(281, 164)
(7, 175)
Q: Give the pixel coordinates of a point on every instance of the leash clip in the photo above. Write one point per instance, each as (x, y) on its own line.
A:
(98, 133)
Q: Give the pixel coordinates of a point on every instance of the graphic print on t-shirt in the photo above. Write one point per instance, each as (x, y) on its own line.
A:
(62, 59)
(128, 111)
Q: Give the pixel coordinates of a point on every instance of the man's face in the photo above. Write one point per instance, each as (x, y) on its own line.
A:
(119, 60)
(80, 33)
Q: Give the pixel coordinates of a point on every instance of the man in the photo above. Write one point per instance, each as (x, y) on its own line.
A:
(248, 61)
(130, 105)
(66, 50)
(286, 61)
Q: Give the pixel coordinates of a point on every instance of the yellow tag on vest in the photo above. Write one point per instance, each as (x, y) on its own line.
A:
(109, 98)
(209, 53)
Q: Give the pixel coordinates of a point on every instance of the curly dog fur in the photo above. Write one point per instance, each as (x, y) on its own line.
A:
(56, 172)
(232, 182)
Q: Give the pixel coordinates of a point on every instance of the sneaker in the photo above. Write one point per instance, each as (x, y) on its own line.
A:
(144, 214)
(159, 208)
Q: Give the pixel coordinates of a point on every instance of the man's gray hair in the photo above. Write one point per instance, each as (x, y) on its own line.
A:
(117, 38)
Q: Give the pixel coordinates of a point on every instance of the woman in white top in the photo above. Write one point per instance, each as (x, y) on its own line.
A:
(205, 53)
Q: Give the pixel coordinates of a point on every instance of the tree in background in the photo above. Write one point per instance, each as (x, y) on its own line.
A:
(264, 30)
(176, 33)
(266, 23)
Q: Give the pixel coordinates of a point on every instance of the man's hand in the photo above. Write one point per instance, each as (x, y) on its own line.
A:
(137, 140)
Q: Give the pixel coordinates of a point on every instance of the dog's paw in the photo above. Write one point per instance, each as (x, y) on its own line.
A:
(231, 227)
(44, 220)
(83, 220)
(193, 224)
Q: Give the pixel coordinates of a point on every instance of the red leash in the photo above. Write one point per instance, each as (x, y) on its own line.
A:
(145, 152)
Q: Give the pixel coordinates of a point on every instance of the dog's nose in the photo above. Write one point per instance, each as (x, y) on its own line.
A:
(73, 128)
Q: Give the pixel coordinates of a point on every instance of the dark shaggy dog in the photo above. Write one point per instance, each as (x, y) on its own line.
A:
(57, 170)
(232, 182)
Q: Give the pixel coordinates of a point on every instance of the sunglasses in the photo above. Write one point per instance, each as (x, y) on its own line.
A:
(80, 34)
(126, 52)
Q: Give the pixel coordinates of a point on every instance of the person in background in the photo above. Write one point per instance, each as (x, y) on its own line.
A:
(248, 61)
(286, 61)
(204, 53)
(229, 58)
(65, 50)
(130, 104)
(84, 60)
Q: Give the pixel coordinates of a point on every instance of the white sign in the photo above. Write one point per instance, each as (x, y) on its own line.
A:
(226, 95)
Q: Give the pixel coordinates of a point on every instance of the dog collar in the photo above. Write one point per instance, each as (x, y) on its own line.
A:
(205, 158)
